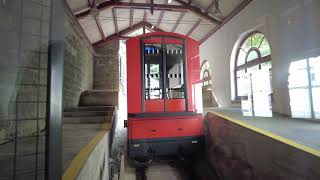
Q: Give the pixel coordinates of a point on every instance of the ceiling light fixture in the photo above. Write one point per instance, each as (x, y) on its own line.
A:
(169, 1)
(152, 26)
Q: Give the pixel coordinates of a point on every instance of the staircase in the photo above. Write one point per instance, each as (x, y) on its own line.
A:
(88, 115)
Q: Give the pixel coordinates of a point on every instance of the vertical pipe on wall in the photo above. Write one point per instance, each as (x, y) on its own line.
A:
(54, 91)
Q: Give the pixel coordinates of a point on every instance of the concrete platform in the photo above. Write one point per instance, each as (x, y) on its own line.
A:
(249, 148)
(302, 131)
(75, 137)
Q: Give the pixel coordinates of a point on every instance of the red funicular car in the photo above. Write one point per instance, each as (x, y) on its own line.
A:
(164, 97)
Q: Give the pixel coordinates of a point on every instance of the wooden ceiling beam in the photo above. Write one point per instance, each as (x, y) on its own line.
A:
(211, 6)
(193, 27)
(122, 34)
(100, 28)
(178, 21)
(131, 15)
(227, 19)
(199, 12)
(161, 16)
(144, 20)
(103, 37)
(185, 7)
(115, 22)
(160, 19)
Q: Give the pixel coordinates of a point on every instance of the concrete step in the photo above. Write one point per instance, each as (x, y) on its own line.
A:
(84, 120)
(86, 113)
(93, 108)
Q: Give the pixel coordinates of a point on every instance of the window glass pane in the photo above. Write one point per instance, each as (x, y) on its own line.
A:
(153, 74)
(298, 74)
(300, 103)
(299, 89)
(241, 57)
(256, 39)
(261, 91)
(253, 55)
(314, 64)
(174, 69)
(241, 83)
(247, 44)
(265, 48)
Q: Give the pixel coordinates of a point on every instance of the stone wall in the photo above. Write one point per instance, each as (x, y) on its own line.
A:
(106, 67)
(78, 65)
(236, 152)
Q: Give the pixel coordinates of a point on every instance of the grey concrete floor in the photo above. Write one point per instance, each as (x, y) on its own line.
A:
(75, 137)
(302, 131)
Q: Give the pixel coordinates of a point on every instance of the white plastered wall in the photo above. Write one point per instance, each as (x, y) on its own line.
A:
(292, 28)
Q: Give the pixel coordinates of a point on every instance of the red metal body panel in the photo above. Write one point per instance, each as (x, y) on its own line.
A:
(154, 105)
(164, 127)
(175, 105)
(157, 105)
(134, 76)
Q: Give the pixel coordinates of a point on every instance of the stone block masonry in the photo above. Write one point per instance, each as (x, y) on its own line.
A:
(106, 67)
(78, 66)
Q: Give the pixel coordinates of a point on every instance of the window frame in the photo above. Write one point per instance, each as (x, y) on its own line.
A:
(248, 64)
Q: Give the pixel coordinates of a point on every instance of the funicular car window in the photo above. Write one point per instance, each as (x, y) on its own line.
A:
(152, 71)
(174, 69)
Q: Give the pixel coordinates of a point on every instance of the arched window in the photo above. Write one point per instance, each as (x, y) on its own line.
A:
(208, 97)
(252, 54)
(205, 73)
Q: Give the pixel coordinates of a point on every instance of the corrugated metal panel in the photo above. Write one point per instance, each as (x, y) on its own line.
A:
(106, 19)
(186, 23)
(169, 20)
(90, 28)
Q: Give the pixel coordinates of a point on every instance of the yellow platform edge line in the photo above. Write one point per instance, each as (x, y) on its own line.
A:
(273, 136)
(81, 158)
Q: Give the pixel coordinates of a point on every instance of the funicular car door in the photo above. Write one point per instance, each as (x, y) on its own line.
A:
(163, 61)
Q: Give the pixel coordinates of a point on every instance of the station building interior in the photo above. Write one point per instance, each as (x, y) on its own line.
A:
(160, 89)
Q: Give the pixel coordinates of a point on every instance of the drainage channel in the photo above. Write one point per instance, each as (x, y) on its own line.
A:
(163, 171)
(141, 174)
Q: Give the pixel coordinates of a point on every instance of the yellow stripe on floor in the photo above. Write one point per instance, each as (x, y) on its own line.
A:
(273, 136)
(81, 158)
